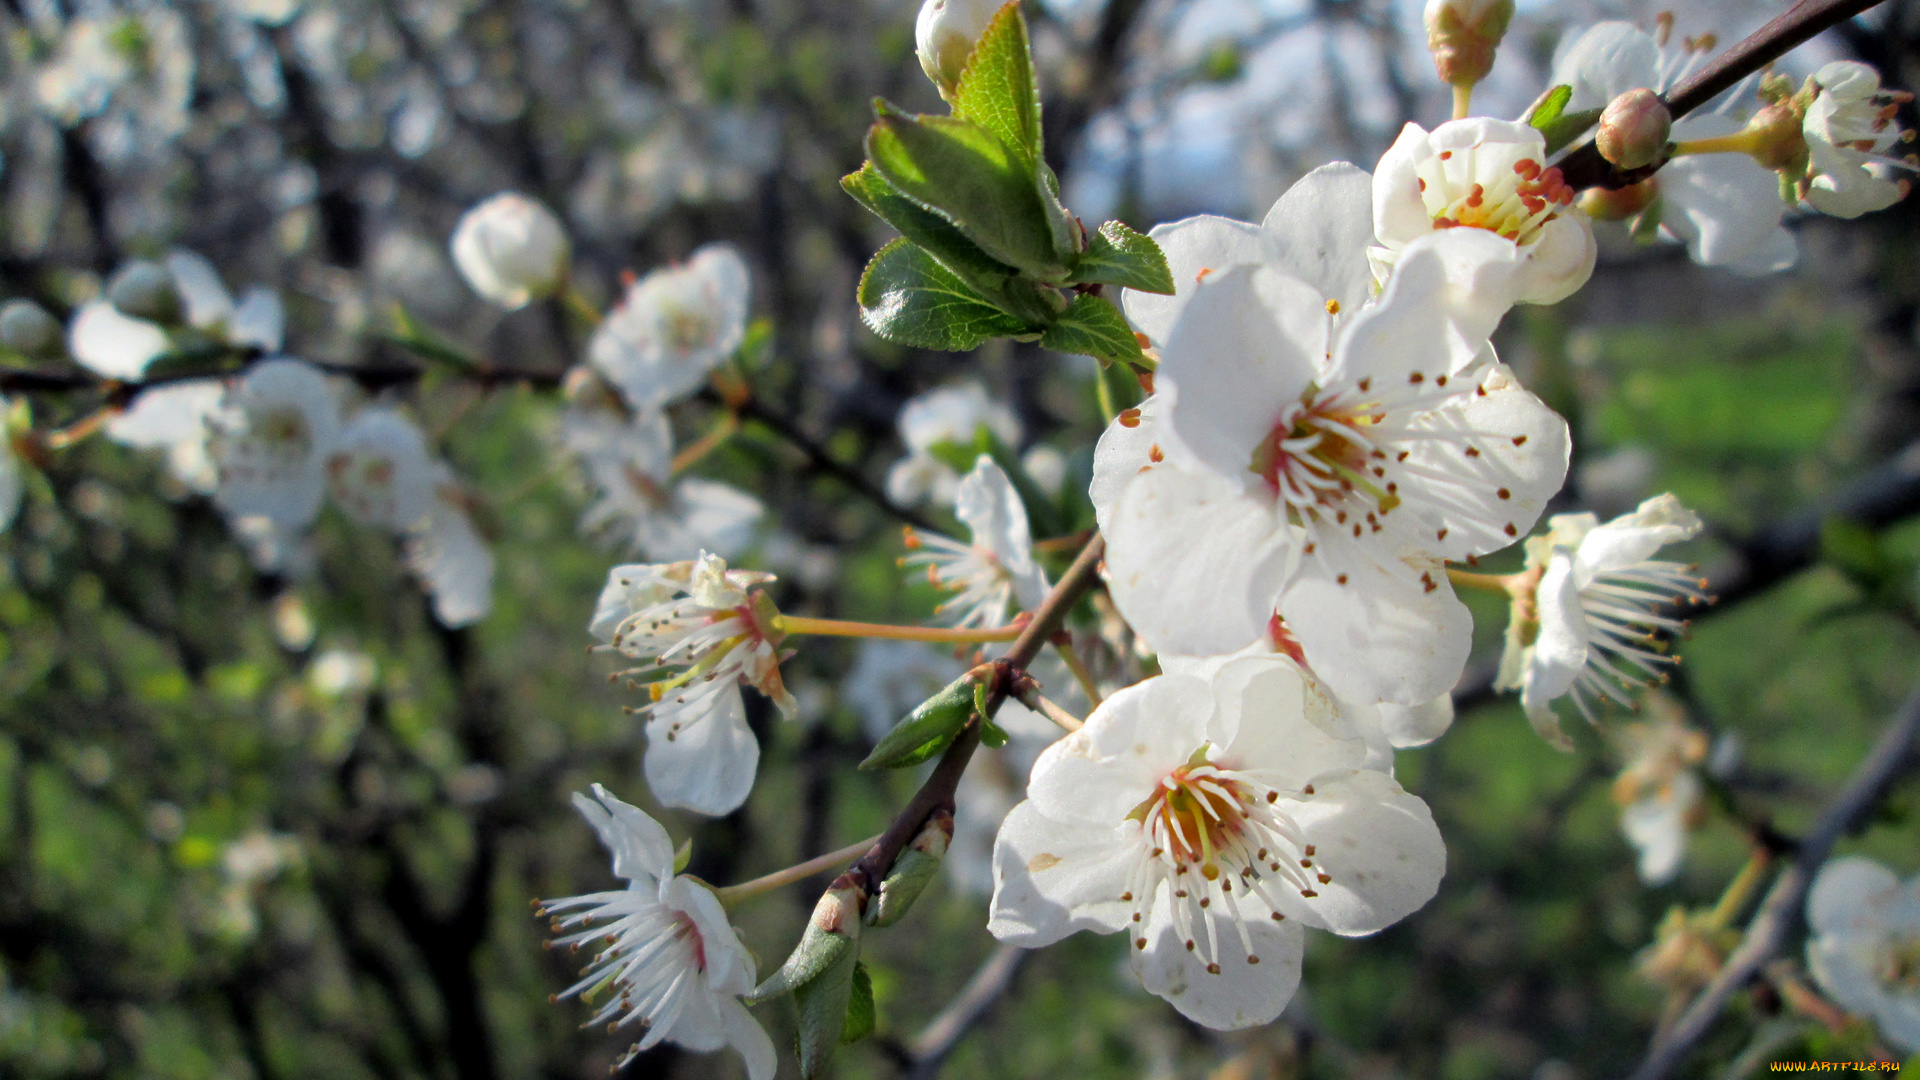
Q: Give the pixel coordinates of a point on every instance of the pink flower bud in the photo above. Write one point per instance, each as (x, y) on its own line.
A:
(1634, 129)
(1463, 35)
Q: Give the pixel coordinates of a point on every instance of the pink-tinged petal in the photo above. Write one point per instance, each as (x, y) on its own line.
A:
(1194, 564)
(1098, 775)
(745, 1034)
(729, 967)
(1321, 229)
(1276, 724)
(1051, 879)
(1123, 450)
(1399, 214)
(1243, 994)
(1195, 247)
(642, 850)
(1559, 648)
(1248, 344)
(1485, 468)
(1377, 845)
(706, 766)
(1383, 634)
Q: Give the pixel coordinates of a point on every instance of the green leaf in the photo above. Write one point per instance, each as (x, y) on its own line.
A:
(1094, 327)
(1116, 255)
(860, 1017)
(1560, 127)
(982, 185)
(1548, 106)
(683, 856)
(823, 1006)
(417, 338)
(998, 89)
(994, 280)
(929, 729)
(907, 296)
(832, 937)
(913, 869)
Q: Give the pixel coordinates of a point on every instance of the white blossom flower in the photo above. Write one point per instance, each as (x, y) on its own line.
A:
(511, 249)
(1318, 231)
(1661, 797)
(951, 415)
(271, 441)
(668, 957)
(1849, 130)
(340, 673)
(996, 569)
(629, 461)
(1596, 601)
(257, 321)
(1489, 175)
(944, 35)
(173, 418)
(1725, 208)
(104, 341)
(89, 64)
(1865, 945)
(381, 473)
(1323, 468)
(1212, 822)
(675, 325)
(700, 618)
(451, 557)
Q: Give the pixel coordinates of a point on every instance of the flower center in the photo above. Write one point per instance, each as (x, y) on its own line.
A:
(283, 429)
(1318, 459)
(1461, 190)
(1900, 963)
(687, 328)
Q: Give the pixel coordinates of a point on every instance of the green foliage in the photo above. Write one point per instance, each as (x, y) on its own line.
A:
(1117, 255)
(929, 729)
(999, 90)
(906, 295)
(1091, 325)
(860, 1017)
(1550, 116)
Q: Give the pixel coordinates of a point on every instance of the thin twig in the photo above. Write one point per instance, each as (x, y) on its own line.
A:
(1780, 912)
(929, 1049)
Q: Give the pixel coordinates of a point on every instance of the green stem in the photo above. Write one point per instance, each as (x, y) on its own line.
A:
(801, 624)
(734, 895)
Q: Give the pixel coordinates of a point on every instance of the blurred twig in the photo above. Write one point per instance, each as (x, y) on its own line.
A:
(1780, 912)
(928, 1051)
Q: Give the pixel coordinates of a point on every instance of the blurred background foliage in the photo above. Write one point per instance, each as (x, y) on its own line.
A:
(272, 828)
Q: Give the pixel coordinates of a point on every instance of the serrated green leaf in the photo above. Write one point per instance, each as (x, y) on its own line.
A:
(908, 296)
(1096, 328)
(982, 185)
(995, 281)
(998, 89)
(860, 1016)
(926, 731)
(1117, 255)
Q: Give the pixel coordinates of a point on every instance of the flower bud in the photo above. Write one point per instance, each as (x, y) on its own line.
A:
(144, 290)
(1633, 129)
(511, 250)
(1778, 141)
(26, 328)
(912, 870)
(832, 935)
(945, 34)
(1619, 204)
(1463, 35)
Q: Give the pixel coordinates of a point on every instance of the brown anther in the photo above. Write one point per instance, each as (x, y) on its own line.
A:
(1130, 418)
(1504, 493)
(1213, 969)
(1324, 878)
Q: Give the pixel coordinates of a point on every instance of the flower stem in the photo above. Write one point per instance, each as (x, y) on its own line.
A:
(1739, 890)
(733, 895)
(1462, 102)
(801, 624)
(1080, 673)
(1468, 579)
(1043, 705)
(1740, 142)
(79, 429)
(706, 444)
(577, 303)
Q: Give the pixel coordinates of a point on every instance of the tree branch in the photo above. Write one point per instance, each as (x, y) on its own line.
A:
(928, 1051)
(1780, 912)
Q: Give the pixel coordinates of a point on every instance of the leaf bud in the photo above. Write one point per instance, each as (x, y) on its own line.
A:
(932, 726)
(912, 870)
(145, 290)
(1463, 36)
(945, 34)
(832, 935)
(26, 328)
(511, 249)
(1633, 129)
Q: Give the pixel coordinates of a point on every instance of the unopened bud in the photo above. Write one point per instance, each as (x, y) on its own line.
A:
(912, 870)
(1464, 35)
(1619, 204)
(144, 290)
(832, 935)
(1633, 129)
(1778, 141)
(26, 328)
(945, 34)
(511, 249)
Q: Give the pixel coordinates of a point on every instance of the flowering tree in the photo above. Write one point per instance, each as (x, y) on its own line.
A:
(1174, 586)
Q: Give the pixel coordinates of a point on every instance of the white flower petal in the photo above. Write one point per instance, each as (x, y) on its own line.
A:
(641, 849)
(1123, 450)
(1052, 878)
(111, 344)
(1383, 635)
(1243, 994)
(1097, 775)
(704, 763)
(1378, 845)
(745, 1034)
(1320, 230)
(1195, 247)
(1847, 895)
(1275, 723)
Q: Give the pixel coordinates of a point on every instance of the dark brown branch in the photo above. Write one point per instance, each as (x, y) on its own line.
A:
(819, 459)
(937, 792)
(1584, 167)
(1780, 912)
